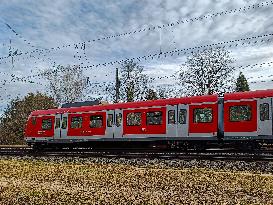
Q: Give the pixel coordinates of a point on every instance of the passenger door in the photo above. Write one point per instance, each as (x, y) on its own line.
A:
(118, 131)
(110, 128)
(64, 125)
(264, 116)
(183, 121)
(171, 116)
(57, 126)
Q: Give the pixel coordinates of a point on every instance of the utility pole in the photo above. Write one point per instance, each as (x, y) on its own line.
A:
(160, 41)
(117, 86)
(11, 54)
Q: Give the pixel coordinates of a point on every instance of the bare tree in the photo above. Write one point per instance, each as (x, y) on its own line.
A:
(133, 84)
(151, 95)
(66, 84)
(207, 72)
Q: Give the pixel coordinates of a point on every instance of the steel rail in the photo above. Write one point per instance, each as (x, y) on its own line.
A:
(210, 154)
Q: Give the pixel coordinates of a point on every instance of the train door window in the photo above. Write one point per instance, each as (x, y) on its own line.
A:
(154, 118)
(46, 124)
(96, 121)
(57, 123)
(264, 111)
(171, 117)
(202, 115)
(182, 116)
(240, 113)
(118, 119)
(33, 120)
(133, 119)
(64, 123)
(110, 120)
(76, 122)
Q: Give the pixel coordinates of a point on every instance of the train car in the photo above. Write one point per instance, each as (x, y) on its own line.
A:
(189, 122)
(177, 121)
(248, 117)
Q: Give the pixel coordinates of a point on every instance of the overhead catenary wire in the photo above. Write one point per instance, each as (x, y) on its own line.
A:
(152, 28)
(223, 44)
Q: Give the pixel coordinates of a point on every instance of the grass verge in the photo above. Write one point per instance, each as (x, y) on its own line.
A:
(40, 182)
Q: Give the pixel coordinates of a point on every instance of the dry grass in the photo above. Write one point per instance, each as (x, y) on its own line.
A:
(40, 182)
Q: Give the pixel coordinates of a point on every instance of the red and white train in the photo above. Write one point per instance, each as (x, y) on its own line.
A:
(242, 118)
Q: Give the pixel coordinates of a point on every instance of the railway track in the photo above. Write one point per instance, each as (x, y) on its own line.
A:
(210, 154)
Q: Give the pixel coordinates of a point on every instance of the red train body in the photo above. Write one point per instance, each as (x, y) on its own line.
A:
(237, 117)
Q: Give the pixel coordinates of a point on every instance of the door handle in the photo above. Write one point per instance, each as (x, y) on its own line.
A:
(143, 129)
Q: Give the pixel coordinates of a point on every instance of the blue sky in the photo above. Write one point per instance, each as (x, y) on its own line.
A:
(46, 24)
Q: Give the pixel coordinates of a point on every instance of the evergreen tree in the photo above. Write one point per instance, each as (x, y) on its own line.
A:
(242, 84)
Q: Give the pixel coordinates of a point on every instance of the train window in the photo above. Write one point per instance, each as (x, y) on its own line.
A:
(134, 119)
(46, 124)
(240, 113)
(154, 118)
(202, 115)
(118, 119)
(57, 123)
(64, 123)
(264, 111)
(182, 116)
(96, 121)
(110, 120)
(171, 117)
(33, 120)
(76, 122)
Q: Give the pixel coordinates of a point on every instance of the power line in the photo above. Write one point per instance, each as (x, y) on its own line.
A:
(178, 52)
(153, 27)
(20, 36)
(189, 50)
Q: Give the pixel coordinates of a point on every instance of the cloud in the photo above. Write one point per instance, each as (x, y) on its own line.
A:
(46, 24)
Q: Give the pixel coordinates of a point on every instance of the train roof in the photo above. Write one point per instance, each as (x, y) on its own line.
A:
(249, 95)
(139, 104)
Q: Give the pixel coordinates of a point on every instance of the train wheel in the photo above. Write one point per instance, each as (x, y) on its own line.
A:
(199, 147)
(184, 146)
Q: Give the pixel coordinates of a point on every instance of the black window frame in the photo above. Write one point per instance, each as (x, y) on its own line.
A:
(90, 123)
(174, 118)
(71, 122)
(139, 118)
(206, 108)
(185, 116)
(64, 123)
(108, 122)
(161, 115)
(118, 117)
(240, 120)
(268, 113)
(57, 123)
(48, 120)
